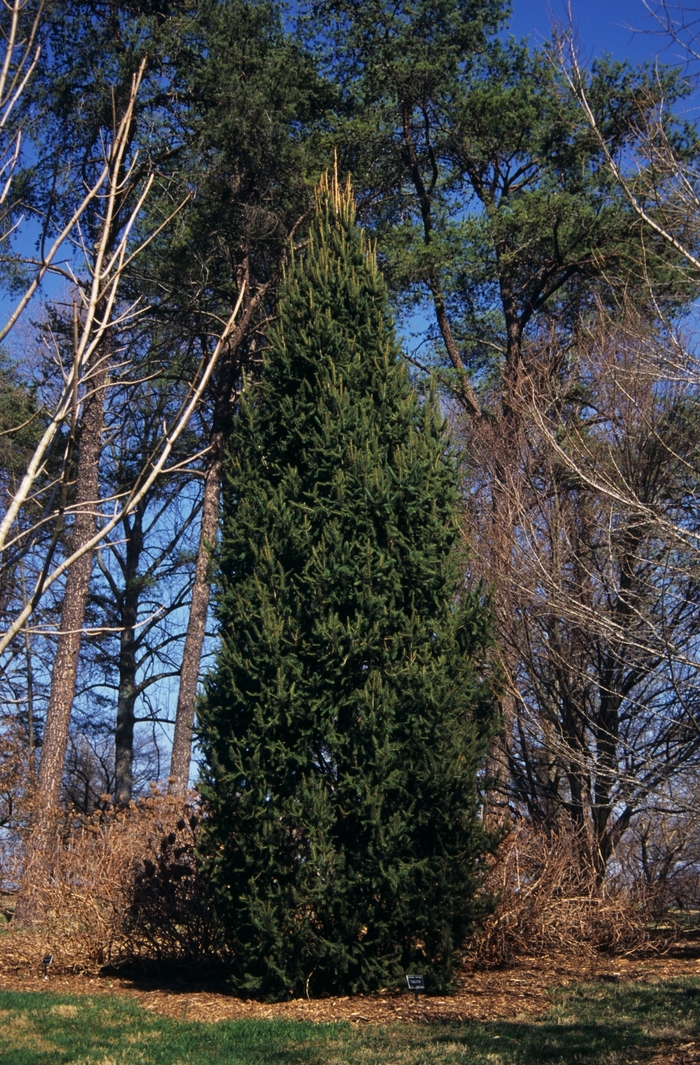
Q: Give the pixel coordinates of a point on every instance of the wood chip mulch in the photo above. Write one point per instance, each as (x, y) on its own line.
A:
(684, 1055)
(519, 991)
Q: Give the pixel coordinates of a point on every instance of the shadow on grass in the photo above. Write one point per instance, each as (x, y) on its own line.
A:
(50, 1029)
(591, 1025)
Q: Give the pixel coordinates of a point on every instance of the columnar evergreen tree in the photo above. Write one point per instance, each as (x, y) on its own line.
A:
(345, 721)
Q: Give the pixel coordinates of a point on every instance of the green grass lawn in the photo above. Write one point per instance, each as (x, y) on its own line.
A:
(593, 1024)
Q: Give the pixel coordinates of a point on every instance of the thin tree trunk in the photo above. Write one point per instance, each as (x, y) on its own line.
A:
(65, 668)
(194, 639)
(201, 590)
(126, 697)
(124, 730)
(465, 391)
(30, 681)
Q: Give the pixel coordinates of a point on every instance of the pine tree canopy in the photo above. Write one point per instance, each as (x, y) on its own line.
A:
(347, 715)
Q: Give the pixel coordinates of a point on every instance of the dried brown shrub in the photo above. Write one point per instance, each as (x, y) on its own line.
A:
(660, 855)
(170, 916)
(550, 901)
(123, 886)
(115, 887)
(13, 771)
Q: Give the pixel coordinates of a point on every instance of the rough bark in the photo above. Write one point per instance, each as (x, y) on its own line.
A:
(65, 668)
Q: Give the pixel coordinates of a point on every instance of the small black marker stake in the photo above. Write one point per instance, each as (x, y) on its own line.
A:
(47, 959)
(415, 984)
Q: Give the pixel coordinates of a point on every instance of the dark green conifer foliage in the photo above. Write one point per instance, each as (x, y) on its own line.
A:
(344, 723)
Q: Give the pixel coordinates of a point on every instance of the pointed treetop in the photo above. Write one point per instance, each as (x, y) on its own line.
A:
(330, 192)
(336, 213)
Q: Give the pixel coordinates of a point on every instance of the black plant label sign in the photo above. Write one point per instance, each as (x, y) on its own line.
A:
(415, 983)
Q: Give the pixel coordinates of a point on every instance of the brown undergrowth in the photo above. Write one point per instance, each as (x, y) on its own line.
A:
(550, 901)
(123, 888)
(114, 887)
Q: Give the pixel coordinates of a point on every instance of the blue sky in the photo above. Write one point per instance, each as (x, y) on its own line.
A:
(602, 26)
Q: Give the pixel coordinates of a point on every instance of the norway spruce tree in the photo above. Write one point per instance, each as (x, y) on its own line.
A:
(346, 718)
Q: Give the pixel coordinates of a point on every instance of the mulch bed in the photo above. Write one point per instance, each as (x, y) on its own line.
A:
(519, 991)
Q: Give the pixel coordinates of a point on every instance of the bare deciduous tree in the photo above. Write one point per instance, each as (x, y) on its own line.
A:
(597, 588)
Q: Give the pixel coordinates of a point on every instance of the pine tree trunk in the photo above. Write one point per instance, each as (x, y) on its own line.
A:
(124, 730)
(65, 668)
(194, 639)
(126, 695)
